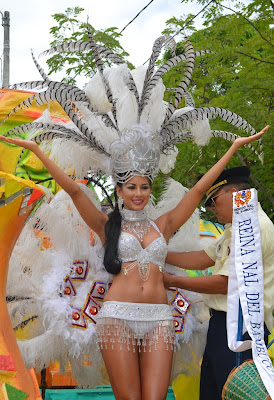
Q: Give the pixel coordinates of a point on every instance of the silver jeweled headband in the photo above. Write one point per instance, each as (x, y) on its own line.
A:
(136, 153)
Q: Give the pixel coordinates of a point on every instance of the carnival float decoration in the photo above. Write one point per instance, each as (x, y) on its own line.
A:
(57, 261)
(18, 197)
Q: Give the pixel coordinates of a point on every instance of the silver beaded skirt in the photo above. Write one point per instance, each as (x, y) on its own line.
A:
(135, 324)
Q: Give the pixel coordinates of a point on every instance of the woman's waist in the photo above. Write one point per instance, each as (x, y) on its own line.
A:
(136, 296)
(135, 311)
(133, 281)
(131, 288)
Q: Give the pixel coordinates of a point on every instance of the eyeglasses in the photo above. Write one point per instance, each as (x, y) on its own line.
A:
(212, 202)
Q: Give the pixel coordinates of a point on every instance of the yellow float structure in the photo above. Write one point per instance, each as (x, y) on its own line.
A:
(18, 197)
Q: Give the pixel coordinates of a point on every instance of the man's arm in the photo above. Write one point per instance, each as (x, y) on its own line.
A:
(209, 284)
(190, 260)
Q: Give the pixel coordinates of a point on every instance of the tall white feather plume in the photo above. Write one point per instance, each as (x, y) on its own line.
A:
(200, 129)
(76, 159)
(120, 99)
(167, 161)
(105, 134)
(154, 112)
(126, 103)
(95, 91)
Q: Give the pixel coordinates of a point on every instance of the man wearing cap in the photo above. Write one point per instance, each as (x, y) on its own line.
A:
(218, 359)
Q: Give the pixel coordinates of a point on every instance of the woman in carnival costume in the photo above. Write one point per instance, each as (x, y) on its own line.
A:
(135, 328)
(130, 128)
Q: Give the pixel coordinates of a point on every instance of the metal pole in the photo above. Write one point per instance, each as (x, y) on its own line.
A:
(6, 67)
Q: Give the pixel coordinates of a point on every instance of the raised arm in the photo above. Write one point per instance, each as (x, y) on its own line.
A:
(190, 260)
(175, 218)
(93, 217)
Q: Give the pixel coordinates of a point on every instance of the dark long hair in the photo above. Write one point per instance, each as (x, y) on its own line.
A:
(113, 230)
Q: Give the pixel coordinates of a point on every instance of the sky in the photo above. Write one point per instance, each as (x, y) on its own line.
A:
(31, 20)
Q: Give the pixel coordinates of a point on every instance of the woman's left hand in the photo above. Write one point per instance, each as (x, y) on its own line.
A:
(241, 141)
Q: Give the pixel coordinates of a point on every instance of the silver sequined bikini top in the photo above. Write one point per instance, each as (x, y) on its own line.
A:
(130, 249)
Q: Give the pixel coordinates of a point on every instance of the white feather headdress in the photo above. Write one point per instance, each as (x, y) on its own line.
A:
(121, 110)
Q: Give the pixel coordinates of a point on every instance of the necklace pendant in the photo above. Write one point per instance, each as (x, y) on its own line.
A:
(138, 227)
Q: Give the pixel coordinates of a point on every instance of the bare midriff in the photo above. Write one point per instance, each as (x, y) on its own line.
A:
(131, 288)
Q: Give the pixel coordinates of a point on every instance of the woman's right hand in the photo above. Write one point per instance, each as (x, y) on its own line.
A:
(93, 217)
(27, 144)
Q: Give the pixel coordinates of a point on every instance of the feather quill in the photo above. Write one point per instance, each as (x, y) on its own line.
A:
(81, 46)
(156, 49)
(189, 101)
(100, 67)
(40, 69)
(183, 122)
(181, 89)
(232, 137)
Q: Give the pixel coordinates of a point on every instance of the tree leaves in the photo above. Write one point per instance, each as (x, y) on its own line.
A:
(236, 75)
(70, 28)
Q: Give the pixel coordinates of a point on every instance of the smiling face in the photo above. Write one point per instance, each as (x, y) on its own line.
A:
(135, 193)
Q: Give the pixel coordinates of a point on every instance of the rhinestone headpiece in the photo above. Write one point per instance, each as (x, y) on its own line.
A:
(136, 153)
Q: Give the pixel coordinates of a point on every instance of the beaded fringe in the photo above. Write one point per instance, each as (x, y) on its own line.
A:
(144, 334)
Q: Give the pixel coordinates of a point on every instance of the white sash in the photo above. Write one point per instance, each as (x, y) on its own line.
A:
(247, 284)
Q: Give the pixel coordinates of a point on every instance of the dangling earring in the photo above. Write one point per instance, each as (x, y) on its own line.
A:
(120, 204)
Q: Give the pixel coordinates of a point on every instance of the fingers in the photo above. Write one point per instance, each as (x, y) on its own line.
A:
(263, 130)
(258, 134)
(4, 139)
(16, 142)
(254, 137)
(26, 144)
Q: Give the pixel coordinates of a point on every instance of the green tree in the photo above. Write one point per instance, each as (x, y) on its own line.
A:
(70, 29)
(236, 75)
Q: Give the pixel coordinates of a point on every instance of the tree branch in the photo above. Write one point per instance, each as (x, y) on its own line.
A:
(101, 186)
(251, 23)
(254, 58)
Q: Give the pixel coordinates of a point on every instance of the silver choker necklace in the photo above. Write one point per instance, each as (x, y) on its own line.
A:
(135, 222)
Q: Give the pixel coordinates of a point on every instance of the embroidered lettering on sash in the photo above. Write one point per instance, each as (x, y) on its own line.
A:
(246, 284)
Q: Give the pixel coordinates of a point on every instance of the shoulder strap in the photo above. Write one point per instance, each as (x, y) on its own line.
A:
(155, 227)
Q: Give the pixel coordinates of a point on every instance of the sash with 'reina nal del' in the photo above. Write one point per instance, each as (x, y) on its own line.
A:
(246, 283)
